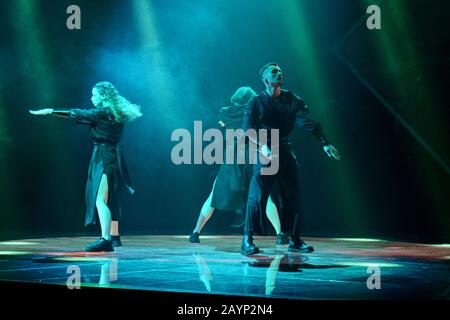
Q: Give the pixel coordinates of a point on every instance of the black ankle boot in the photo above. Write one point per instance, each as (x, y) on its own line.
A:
(116, 242)
(248, 248)
(100, 245)
(194, 238)
(282, 238)
(298, 245)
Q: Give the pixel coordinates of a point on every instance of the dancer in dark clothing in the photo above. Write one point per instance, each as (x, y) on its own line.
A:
(277, 109)
(230, 188)
(107, 173)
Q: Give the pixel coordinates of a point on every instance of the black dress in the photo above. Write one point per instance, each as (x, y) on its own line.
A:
(231, 187)
(106, 159)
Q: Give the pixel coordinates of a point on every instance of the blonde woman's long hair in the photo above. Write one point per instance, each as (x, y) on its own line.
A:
(121, 108)
(242, 96)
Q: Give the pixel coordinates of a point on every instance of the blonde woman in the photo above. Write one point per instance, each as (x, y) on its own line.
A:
(230, 188)
(107, 170)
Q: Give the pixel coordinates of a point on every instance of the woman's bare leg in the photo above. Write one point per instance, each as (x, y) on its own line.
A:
(205, 213)
(104, 214)
(272, 214)
(114, 228)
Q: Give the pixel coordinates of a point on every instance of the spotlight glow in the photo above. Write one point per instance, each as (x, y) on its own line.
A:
(203, 237)
(81, 259)
(18, 243)
(13, 253)
(370, 264)
(359, 239)
(444, 245)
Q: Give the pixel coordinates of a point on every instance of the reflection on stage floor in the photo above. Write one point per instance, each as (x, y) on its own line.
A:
(338, 269)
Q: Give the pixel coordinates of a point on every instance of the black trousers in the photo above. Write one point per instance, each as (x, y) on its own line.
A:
(285, 190)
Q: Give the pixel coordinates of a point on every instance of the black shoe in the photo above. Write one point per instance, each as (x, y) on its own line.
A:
(298, 245)
(194, 238)
(248, 248)
(116, 242)
(282, 238)
(100, 245)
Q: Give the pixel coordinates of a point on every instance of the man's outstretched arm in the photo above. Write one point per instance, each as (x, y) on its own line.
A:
(312, 127)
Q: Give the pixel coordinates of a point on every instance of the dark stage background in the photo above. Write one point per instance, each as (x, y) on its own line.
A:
(381, 95)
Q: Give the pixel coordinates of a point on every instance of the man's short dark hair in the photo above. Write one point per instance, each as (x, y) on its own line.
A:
(261, 72)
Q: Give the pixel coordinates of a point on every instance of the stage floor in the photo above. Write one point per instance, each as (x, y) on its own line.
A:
(338, 269)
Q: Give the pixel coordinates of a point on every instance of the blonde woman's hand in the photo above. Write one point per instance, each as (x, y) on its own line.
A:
(42, 112)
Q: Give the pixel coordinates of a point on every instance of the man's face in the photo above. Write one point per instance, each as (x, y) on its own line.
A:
(273, 76)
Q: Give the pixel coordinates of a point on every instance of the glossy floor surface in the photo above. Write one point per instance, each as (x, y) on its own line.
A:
(338, 269)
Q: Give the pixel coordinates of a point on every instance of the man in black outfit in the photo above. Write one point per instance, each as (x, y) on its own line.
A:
(278, 109)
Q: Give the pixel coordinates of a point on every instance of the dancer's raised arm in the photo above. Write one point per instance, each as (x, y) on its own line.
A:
(42, 112)
(65, 113)
(81, 116)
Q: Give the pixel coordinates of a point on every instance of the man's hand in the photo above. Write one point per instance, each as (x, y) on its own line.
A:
(332, 152)
(42, 112)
